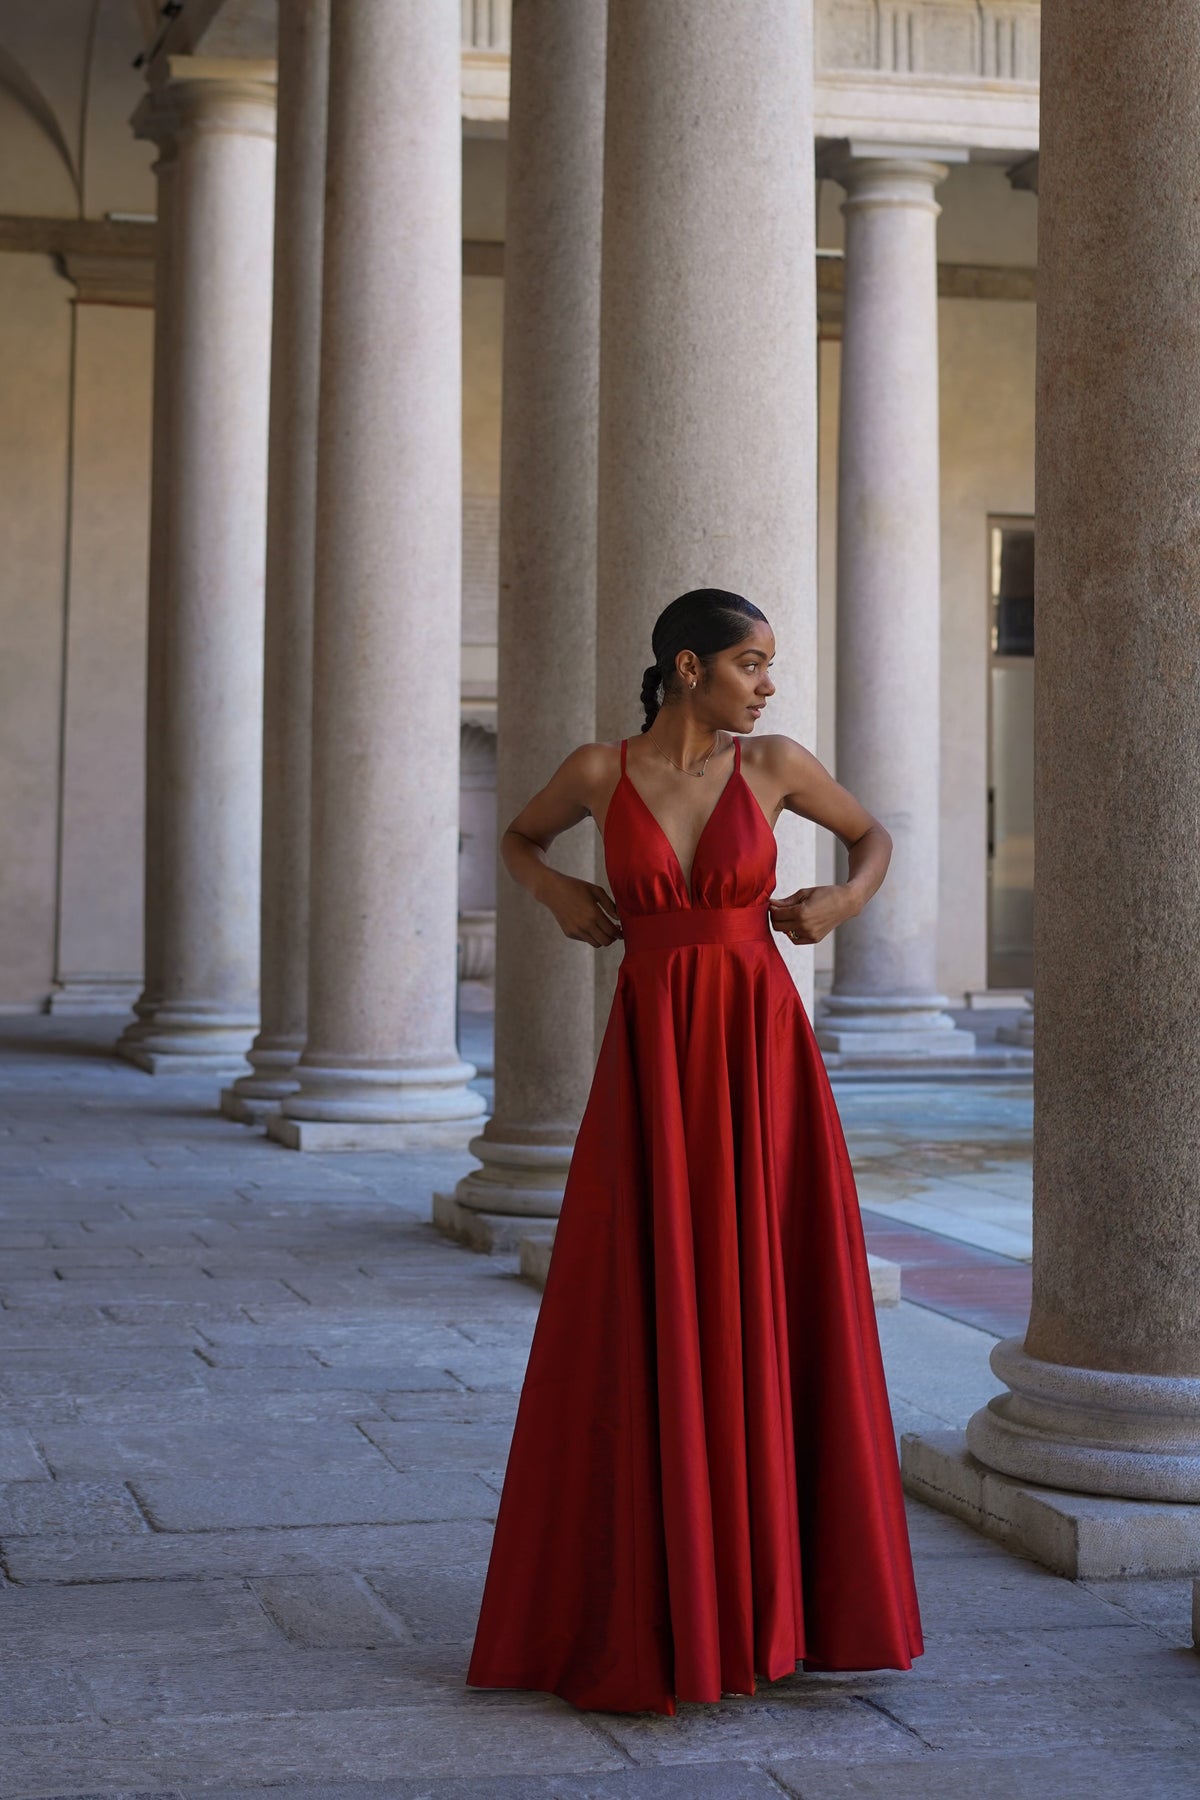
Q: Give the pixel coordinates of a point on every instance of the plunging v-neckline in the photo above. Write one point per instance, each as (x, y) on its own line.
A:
(686, 880)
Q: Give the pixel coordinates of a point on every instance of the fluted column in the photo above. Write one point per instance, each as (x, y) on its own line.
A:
(884, 1001)
(707, 452)
(291, 497)
(380, 1065)
(544, 1054)
(1105, 1391)
(215, 484)
(156, 120)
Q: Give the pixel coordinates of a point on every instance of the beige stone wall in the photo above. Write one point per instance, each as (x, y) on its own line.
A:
(74, 450)
(35, 361)
(100, 925)
(74, 471)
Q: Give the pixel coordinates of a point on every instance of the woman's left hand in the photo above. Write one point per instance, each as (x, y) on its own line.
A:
(811, 913)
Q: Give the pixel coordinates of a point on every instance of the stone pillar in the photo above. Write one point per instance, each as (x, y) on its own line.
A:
(155, 120)
(209, 715)
(544, 1049)
(1105, 1390)
(291, 498)
(884, 1001)
(707, 460)
(380, 1066)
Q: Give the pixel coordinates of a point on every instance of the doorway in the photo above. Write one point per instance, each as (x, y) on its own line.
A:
(1010, 754)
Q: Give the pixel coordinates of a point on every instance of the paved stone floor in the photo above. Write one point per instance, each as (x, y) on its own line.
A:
(254, 1416)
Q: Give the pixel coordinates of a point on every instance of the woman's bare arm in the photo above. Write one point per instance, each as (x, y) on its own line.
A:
(584, 910)
(808, 789)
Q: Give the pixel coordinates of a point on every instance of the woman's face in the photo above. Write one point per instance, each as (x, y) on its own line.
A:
(736, 685)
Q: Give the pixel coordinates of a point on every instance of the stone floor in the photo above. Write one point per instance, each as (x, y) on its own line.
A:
(255, 1412)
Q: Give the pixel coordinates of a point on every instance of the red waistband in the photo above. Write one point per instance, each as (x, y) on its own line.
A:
(695, 925)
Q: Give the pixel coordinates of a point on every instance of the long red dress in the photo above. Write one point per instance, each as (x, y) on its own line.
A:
(702, 1486)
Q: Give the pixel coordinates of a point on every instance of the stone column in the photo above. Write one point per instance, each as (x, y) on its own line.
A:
(215, 481)
(1105, 1390)
(544, 1050)
(380, 1065)
(884, 1001)
(291, 498)
(707, 460)
(155, 120)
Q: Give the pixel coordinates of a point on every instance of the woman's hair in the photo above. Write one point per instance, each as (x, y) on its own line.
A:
(705, 621)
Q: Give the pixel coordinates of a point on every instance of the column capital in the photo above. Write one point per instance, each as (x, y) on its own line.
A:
(209, 93)
(887, 174)
(156, 119)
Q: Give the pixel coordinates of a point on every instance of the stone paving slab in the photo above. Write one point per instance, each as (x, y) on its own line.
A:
(105, 1370)
(1006, 1715)
(707, 1781)
(188, 1555)
(166, 1450)
(1084, 1774)
(33, 1508)
(440, 1444)
(244, 1684)
(377, 1745)
(244, 1372)
(151, 1617)
(789, 1715)
(211, 1405)
(312, 1499)
(19, 1460)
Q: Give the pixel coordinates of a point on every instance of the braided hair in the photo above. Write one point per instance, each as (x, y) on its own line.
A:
(706, 620)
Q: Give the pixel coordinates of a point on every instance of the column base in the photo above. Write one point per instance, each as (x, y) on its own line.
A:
(492, 1234)
(144, 1008)
(1091, 1431)
(90, 995)
(1021, 1030)
(326, 1136)
(534, 1254)
(260, 1094)
(380, 1108)
(245, 1109)
(517, 1177)
(193, 1061)
(852, 1026)
(1082, 1536)
(189, 1039)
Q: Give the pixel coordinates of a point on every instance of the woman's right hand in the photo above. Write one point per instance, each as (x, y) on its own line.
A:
(585, 910)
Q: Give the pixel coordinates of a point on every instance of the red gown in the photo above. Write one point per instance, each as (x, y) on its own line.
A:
(702, 1486)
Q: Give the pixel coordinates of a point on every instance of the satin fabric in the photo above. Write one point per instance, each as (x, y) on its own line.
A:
(702, 1486)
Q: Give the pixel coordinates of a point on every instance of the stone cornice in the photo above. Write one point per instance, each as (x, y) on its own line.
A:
(77, 237)
(109, 280)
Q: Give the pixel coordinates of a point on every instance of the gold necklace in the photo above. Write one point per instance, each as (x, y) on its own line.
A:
(695, 773)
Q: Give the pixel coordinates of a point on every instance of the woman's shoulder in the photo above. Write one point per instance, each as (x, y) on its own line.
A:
(771, 750)
(590, 772)
(595, 758)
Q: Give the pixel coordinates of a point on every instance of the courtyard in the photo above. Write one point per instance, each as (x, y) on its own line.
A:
(255, 1414)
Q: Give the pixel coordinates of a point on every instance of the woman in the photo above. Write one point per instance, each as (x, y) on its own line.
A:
(702, 1487)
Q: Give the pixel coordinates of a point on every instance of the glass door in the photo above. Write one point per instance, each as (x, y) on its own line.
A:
(1010, 755)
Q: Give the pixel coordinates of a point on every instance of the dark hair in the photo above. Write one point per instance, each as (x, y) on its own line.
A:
(705, 621)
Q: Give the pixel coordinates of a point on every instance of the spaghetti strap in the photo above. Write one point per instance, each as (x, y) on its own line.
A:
(624, 741)
(737, 755)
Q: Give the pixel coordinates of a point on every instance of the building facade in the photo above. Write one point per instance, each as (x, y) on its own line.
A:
(77, 247)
